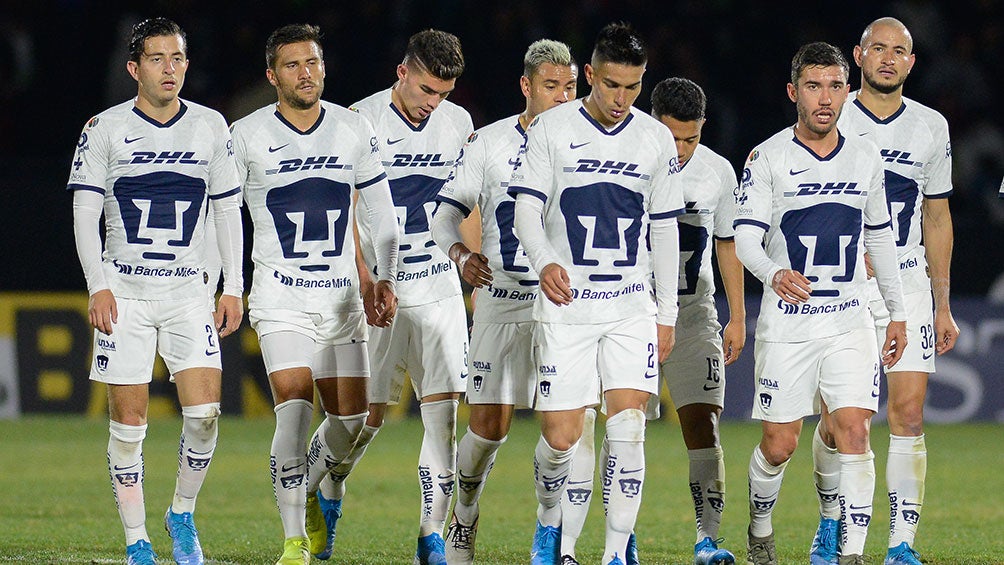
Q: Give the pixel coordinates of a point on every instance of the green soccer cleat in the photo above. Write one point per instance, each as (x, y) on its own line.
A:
(295, 552)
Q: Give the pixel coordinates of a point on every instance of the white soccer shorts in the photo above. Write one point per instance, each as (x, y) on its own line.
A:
(501, 367)
(920, 337)
(182, 331)
(791, 378)
(578, 362)
(331, 344)
(428, 343)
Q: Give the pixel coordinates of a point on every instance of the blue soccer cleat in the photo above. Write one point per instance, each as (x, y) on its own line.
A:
(616, 561)
(332, 511)
(431, 550)
(546, 548)
(631, 553)
(902, 554)
(825, 549)
(140, 553)
(707, 552)
(186, 549)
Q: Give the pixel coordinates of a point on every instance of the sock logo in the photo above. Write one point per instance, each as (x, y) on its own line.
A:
(911, 517)
(630, 487)
(578, 496)
(127, 479)
(291, 481)
(761, 504)
(447, 488)
(861, 520)
(553, 484)
(197, 464)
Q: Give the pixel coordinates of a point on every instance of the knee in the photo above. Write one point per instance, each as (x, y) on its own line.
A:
(778, 448)
(906, 417)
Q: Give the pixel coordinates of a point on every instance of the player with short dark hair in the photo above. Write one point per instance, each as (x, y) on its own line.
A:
(501, 371)
(593, 173)
(301, 161)
(810, 201)
(421, 134)
(149, 165)
(917, 156)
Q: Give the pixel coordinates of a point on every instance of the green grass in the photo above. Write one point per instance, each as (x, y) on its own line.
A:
(57, 505)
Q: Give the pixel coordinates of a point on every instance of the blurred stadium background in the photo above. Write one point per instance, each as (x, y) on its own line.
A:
(62, 61)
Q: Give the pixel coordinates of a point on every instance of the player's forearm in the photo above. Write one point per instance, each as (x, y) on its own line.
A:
(884, 259)
(87, 207)
(379, 209)
(529, 229)
(750, 252)
(733, 277)
(230, 241)
(938, 242)
(665, 238)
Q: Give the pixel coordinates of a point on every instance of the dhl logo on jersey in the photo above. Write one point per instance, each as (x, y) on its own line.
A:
(418, 160)
(308, 164)
(606, 167)
(823, 189)
(163, 158)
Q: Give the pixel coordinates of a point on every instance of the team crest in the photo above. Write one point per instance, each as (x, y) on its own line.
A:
(472, 137)
(753, 156)
(92, 122)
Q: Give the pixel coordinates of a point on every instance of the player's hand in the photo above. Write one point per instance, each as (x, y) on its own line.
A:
(869, 270)
(946, 331)
(791, 286)
(895, 344)
(103, 311)
(554, 282)
(733, 340)
(473, 266)
(367, 291)
(667, 339)
(384, 303)
(228, 314)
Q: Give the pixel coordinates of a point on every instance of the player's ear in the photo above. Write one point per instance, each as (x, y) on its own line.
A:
(133, 68)
(402, 72)
(524, 85)
(792, 92)
(587, 70)
(857, 54)
(270, 75)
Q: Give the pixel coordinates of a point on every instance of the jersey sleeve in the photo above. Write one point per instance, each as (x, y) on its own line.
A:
(876, 213)
(938, 169)
(369, 169)
(533, 172)
(89, 169)
(223, 180)
(725, 211)
(243, 167)
(667, 191)
(463, 186)
(753, 206)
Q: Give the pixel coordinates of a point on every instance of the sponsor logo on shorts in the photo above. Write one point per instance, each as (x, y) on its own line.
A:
(769, 384)
(106, 344)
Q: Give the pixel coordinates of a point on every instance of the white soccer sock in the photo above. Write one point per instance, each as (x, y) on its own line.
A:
(906, 472)
(707, 488)
(765, 484)
(125, 465)
(475, 457)
(550, 471)
(437, 462)
(623, 478)
(826, 472)
(331, 444)
(333, 483)
(579, 487)
(198, 442)
(857, 487)
(288, 463)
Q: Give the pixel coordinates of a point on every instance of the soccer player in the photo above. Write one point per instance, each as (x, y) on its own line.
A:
(149, 164)
(501, 368)
(694, 370)
(917, 156)
(299, 161)
(422, 133)
(594, 175)
(815, 198)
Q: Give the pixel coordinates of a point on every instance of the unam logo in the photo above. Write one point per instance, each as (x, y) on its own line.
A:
(630, 487)
(578, 496)
(102, 362)
(545, 388)
(478, 380)
(765, 400)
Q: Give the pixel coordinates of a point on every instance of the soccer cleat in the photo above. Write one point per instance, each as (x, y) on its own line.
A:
(140, 553)
(295, 551)
(631, 553)
(902, 554)
(568, 560)
(186, 549)
(707, 552)
(431, 550)
(322, 518)
(852, 559)
(616, 561)
(760, 551)
(825, 547)
(460, 542)
(546, 545)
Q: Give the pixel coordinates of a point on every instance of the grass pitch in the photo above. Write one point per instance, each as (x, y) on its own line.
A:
(57, 505)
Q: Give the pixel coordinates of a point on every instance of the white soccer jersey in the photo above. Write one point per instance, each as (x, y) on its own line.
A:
(481, 178)
(917, 156)
(298, 189)
(417, 160)
(709, 194)
(814, 210)
(155, 179)
(600, 188)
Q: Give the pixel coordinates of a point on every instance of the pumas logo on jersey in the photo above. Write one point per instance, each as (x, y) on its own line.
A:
(606, 167)
(311, 217)
(603, 223)
(160, 210)
(820, 189)
(418, 160)
(308, 164)
(478, 381)
(162, 158)
(545, 388)
(101, 362)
